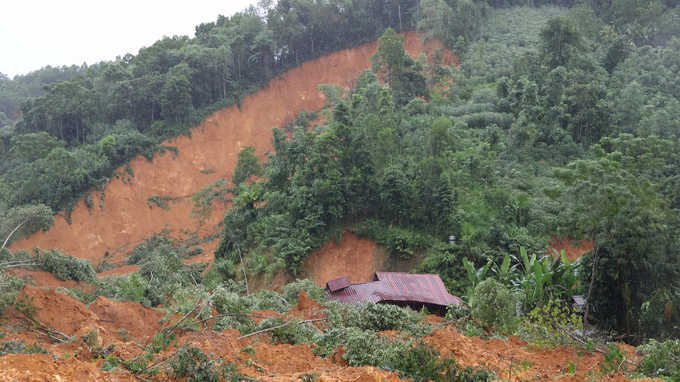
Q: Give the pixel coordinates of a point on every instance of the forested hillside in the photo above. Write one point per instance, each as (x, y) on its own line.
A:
(108, 112)
(561, 120)
(555, 124)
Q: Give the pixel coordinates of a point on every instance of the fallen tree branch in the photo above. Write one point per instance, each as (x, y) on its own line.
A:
(17, 265)
(280, 326)
(578, 339)
(47, 333)
(225, 315)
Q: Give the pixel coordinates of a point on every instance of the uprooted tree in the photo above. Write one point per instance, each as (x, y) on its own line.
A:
(24, 221)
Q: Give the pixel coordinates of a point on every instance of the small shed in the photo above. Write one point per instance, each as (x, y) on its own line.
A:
(403, 289)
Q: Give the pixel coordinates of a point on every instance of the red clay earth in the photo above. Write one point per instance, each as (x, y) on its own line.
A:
(572, 251)
(353, 257)
(271, 362)
(213, 145)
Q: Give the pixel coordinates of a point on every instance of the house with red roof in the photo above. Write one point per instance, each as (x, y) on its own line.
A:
(403, 289)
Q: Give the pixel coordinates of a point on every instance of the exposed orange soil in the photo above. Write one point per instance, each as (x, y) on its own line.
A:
(75, 361)
(42, 279)
(500, 355)
(353, 257)
(138, 320)
(572, 252)
(214, 144)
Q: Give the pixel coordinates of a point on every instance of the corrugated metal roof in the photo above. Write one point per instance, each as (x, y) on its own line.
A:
(402, 287)
(337, 284)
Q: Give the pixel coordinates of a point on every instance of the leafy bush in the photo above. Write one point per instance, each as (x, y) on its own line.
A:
(14, 347)
(9, 287)
(159, 201)
(550, 326)
(78, 293)
(65, 267)
(400, 241)
(291, 331)
(494, 306)
(292, 291)
(660, 359)
(456, 312)
(191, 363)
(134, 289)
(410, 358)
(372, 317)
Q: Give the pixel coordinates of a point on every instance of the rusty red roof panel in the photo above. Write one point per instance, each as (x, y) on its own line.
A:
(337, 284)
(393, 286)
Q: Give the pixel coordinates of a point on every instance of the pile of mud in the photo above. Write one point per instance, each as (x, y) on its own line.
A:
(76, 361)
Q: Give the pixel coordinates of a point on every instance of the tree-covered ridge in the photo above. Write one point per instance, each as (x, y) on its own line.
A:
(104, 114)
(501, 158)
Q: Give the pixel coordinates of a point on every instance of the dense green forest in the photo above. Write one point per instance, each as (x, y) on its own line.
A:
(562, 119)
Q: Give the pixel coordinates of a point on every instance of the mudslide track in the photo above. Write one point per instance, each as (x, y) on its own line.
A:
(127, 217)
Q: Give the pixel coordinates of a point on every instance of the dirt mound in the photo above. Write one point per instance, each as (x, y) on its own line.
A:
(136, 319)
(42, 367)
(358, 258)
(572, 251)
(44, 279)
(513, 354)
(61, 311)
(127, 216)
(306, 303)
(307, 309)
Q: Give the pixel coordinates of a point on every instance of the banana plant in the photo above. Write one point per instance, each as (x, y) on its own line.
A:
(536, 280)
(475, 275)
(506, 273)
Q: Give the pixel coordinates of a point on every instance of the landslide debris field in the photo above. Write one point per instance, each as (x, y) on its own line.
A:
(108, 329)
(209, 153)
(52, 336)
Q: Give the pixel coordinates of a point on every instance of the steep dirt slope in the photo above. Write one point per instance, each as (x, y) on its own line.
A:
(213, 145)
(572, 252)
(358, 258)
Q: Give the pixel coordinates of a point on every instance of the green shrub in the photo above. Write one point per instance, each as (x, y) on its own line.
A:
(9, 287)
(14, 347)
(191, 362)
(271, 300)
(85, 297)
(159, 201)
(413, 359)
(292, 291)
(65, 267)
(494, 305)
(109, 286)
(134, 289)
(373, 317)
(660, 359)
(292, 333)
(226, 299)
(399, 241)
(549, 326)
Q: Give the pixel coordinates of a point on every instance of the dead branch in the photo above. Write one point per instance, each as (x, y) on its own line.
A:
(578, 339)
(225, 315)
(280, 326)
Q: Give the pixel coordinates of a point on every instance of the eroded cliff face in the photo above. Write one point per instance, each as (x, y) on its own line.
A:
(209, 153)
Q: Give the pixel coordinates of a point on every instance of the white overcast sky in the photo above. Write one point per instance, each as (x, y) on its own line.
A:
(37, 33)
